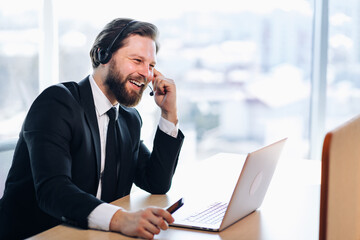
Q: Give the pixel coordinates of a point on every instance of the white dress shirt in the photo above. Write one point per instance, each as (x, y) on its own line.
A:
(101, 216)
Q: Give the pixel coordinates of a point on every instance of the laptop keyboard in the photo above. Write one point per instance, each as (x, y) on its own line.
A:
(211, 215)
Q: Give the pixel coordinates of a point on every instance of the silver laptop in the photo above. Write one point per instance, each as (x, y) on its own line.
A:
(247, 196)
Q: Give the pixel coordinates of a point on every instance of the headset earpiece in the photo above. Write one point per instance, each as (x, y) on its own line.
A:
(104, 56)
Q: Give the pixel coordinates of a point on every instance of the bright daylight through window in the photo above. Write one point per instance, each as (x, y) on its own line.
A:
(243, 68)
(242, 71)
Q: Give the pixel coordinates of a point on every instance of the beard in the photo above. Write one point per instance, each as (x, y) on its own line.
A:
(116, 83)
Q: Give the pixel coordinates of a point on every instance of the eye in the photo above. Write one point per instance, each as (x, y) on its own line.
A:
(137, 60)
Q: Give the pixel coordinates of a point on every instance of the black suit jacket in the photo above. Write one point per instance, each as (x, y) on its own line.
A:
(56, 166)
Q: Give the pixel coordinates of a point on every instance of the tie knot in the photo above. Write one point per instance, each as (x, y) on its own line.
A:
(111, 113)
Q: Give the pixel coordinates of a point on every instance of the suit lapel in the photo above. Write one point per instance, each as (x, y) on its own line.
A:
(87, 101)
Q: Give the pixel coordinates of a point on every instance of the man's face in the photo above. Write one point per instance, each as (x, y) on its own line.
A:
(130, 69)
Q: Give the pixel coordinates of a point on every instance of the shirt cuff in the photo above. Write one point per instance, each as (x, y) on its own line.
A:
(168, 127)
(101, 216)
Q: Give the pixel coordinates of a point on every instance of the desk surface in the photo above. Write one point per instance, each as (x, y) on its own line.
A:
(290, 209)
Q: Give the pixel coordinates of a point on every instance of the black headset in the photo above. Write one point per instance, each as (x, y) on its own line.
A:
(104, 55)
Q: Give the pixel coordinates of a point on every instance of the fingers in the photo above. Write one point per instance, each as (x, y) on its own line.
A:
(144, 223)
(159, 218)
(165, 215)
(165, 96)
(155, 74)
(161, 84)
(152, 221)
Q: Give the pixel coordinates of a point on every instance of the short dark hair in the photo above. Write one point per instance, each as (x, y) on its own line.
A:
(111, 30)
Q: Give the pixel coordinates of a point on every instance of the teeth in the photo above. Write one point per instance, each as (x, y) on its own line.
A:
(136, 83)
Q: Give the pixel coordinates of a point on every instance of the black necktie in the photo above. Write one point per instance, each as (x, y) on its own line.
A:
(109, 176)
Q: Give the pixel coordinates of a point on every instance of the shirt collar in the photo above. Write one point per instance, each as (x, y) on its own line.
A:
(102, 103)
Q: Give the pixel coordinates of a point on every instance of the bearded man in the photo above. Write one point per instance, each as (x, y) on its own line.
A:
(80, 149)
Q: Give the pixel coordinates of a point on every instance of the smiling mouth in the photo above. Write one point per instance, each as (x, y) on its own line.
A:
(137, 83)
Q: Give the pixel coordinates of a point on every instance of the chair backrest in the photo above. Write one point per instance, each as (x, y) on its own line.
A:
(340, 183)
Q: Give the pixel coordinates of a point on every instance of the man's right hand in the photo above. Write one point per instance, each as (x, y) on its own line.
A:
(144, 223)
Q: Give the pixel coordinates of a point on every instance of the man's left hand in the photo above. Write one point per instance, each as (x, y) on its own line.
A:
(165, 96)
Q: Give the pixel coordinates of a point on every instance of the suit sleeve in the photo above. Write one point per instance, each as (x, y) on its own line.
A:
(48, 130)
(156, 169)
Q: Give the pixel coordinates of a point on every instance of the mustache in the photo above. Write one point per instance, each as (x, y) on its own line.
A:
(138, 78)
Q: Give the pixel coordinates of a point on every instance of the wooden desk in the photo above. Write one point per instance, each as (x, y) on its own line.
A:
(290, 209)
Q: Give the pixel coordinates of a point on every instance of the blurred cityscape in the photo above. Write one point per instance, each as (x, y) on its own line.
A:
(244, 78)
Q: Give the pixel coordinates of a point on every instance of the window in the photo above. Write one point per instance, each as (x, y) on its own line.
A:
(19, 44)
(243, 69)
(343, 85)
